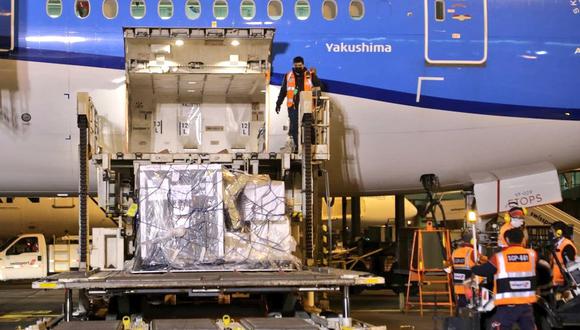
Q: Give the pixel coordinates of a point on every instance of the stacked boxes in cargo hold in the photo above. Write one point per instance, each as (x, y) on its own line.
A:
(206, 127)
(204, 217)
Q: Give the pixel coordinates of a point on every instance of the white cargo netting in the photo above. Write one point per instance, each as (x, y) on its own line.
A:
(203, 217)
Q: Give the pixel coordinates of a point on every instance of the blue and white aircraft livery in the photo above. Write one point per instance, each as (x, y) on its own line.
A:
(450, 87)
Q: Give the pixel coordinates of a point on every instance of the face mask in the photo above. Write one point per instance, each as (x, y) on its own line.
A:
(296, 70)
(517, 222)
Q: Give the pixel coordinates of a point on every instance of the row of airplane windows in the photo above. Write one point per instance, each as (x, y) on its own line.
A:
(165, 8)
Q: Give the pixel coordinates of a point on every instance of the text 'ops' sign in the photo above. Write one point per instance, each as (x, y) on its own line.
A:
(525, 186)
(528, 191)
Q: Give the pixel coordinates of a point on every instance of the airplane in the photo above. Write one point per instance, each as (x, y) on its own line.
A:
(435, 86)
(21, 215)
(52, 216)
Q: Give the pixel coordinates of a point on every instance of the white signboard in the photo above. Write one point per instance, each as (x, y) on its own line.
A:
(524, 186)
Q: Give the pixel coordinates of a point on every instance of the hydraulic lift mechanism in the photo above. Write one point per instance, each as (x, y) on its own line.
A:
(202, 100)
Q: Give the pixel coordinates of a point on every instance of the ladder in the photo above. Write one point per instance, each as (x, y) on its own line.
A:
(61, 257)
(429, 271)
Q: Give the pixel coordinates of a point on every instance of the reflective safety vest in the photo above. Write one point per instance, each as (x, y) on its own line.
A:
(291, 88)
(462, 263)
(515, 278)
(560, 246)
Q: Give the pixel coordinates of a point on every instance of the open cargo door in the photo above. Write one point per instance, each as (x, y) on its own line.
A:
(199, 90)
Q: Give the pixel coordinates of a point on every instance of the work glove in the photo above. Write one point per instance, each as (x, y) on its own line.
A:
(277, 109)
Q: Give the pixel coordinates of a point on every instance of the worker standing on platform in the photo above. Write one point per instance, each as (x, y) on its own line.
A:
(514, 273)
(463, 259)
(565, 251)
(516, 220)
(297, 80)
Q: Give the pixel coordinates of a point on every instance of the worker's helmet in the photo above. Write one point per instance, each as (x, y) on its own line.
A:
(516, 212)
(516, 216)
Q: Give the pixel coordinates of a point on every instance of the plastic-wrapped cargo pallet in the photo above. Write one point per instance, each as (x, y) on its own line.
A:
(181, 220)
(265, 239)
(203, 217)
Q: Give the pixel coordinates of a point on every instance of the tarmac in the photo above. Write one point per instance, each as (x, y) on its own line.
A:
(20, 305)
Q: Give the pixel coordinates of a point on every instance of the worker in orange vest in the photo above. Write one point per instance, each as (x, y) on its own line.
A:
(516, 220)
(565, 251)
(297, 80)
(514, 274)
(463, 259)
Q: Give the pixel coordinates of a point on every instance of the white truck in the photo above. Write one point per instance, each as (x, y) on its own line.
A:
(28, 256)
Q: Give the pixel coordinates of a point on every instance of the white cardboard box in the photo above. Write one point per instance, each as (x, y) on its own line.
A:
(264, 202)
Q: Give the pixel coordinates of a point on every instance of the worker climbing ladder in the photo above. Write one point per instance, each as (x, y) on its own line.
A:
(430, 258)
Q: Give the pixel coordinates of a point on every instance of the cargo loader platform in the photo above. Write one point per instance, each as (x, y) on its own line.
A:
(204, 284)
(315, 279)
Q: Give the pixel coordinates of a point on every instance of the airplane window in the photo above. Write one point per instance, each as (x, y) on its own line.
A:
(439, 10)
(357, 9)
(248, 9)
(165, 9)
(82, 8)
(193, 9)
(24, 245)
(138, 9)
(329, 10)
(220, 9)
(110, 9)
(275, 9)
(302, 9)
(54, 8)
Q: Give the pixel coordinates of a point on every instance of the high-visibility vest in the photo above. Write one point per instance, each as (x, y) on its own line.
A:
(462, 263)
(558, 277)
(291, 88)
(515, 278)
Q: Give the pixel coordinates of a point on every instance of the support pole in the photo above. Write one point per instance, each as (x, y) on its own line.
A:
(355, 217)
(345, 239)
(328, 203)
(346, 302)
(399, 220)
(68, 303)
